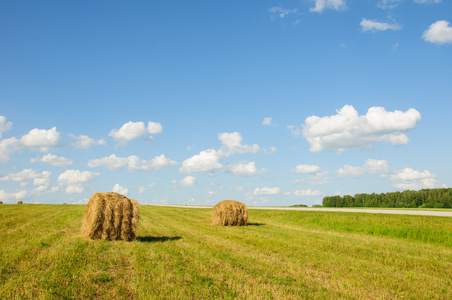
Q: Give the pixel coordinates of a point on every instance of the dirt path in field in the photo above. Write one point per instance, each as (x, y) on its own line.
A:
(357, 210)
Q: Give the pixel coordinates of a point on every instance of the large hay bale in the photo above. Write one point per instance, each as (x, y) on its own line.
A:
(110, 216)
(230, 213)
(1, 202)
(19, 202)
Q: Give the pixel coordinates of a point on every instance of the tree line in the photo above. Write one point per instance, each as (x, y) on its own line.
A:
(426, 198)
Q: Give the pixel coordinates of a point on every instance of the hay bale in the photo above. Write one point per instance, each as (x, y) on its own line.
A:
(110, 216)
(230, 213)
(19, 202)
(64, 203)
(1, 202)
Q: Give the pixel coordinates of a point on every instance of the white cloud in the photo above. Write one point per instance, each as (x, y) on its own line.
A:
(267, 191)
(41, 139)
(133, 162)
(320, 5)
(410, 179)
(74, 180)
(28, 174)
(4, 126)
(188, 181)
(158, 163)
(246, 169)
(438, 33)
(120, 189)
(53, 160)
(350, 171)
(281, 12)
(128, 131)
(232, 144)
(4, 196)
(388, 4)
(306, 169)
(154, 128)
(377, 166)
(207, 160)
(369, 25)
(85, 142)
(267, 121)
(347, 129)
(372, 166)
(307, 193)
(7, 148)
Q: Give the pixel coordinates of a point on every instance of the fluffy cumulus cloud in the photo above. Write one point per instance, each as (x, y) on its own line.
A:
(188, 181)
(53, 160)
(7, 148)
(154, 128)
(232, 144)
(5, 196)
(74, 179)
(246, 169)
(25, 175)
(117, 188)
(369, 25)
(438, 33)
(320, 5)
(133, 163)
(307, 193)
(306, 169)
(128, 131)
(410, 179)
(41, 139)
(4, 126)
(85, 142)
(205, 161)
(347, 129)
(372, 166)
(267, 191)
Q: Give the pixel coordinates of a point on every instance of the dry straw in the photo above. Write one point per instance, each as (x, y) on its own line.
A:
(19, 202)
(230, 213)
(111, 216)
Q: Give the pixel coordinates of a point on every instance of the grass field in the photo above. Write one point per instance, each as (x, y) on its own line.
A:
(179, 255)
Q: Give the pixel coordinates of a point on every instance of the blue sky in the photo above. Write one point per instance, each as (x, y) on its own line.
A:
(193, 102)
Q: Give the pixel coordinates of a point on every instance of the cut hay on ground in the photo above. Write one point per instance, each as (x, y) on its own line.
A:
(111, 216)
(19, 202)
(230, 213)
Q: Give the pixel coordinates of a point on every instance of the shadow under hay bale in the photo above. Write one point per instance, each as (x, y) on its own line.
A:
(230, 213)
(111, 216)
(19, 202)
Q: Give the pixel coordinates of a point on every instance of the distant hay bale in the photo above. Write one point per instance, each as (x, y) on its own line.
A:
(1, 202)
(19, 202)
(230, 213)
(64, 203)
(110, 216)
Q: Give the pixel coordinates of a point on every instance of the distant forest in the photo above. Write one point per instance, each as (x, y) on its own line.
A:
(427, 198)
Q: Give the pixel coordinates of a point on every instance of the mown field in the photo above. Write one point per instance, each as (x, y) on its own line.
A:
(179, 255)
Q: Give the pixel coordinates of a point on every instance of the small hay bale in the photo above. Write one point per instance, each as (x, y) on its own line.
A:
(230, 213)
(110, 216)
(19, 202)
(64, 203)
(1, 202)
